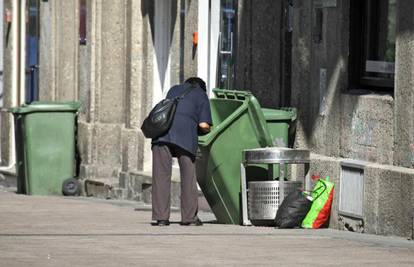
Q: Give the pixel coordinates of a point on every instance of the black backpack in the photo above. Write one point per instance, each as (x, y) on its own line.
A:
(160, 118)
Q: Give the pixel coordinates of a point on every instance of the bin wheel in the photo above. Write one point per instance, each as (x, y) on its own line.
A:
(71, 187)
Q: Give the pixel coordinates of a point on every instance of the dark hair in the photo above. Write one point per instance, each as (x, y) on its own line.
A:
(197, 81)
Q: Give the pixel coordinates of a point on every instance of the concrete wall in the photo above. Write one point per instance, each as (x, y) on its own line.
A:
(1, 57)
(112, 75)
(404, 86)
(337, 123)
(258, 46)
(190, 21)
(6, 119)
(58, 74)
(367, 131)
(388, 197)
(319, 74)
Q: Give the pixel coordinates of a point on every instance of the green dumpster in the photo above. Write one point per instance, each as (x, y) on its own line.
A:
(45, 146)
(238, 124)
(278, 123)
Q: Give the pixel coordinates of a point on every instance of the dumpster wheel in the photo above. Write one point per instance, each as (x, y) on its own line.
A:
(71, 187)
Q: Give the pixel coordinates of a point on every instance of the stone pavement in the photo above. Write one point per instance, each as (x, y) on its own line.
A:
(58, 231)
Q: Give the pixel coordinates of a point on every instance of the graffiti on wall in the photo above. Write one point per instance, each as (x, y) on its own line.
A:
(363, 131)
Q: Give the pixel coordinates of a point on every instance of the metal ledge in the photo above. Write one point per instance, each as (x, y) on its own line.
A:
(274, 155)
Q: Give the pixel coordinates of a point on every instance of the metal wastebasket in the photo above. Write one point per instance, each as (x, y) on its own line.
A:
(45, 146)
(264, 198)
(238, 124)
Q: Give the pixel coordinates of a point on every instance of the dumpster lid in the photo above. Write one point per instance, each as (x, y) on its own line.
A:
(280, 114)
(231, 94)
(46, 106)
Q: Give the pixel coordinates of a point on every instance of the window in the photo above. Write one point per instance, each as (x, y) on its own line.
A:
(228, 21)
(82, 22)
(372, 44)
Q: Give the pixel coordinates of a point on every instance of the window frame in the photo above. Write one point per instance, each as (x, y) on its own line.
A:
(361, 20)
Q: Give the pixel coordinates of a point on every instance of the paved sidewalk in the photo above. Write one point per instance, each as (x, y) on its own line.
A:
(57, 231)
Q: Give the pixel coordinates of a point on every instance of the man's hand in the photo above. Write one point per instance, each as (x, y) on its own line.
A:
(204, 127)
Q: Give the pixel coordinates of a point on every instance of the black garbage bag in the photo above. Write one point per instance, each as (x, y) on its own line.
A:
(293, 210)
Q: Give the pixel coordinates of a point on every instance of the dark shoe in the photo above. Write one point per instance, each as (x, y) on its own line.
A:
(161, 223)
(194, 223)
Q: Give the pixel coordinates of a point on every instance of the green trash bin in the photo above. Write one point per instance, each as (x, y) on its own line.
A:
(238, 124)
(45, 146)
(279, 123)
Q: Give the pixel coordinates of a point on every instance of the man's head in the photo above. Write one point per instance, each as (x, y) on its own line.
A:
(197, 81)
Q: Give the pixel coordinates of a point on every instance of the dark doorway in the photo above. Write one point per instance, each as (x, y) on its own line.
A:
(32, 51)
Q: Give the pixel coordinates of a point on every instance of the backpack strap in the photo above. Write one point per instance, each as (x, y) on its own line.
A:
(185, 93)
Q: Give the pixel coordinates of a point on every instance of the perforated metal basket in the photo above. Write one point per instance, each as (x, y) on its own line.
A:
(263, 198)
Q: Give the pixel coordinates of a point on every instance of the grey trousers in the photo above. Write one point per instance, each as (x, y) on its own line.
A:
(162, 155)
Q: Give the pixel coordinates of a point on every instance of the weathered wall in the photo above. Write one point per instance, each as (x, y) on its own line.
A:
(333, 120)
(120, 52)
(109, 75)
(388, 197)
(319, 73)
(176, 42)
(389, 200)
(190, 26)
(367, 131)
(58, 32)
(6, 119)
(336, 122)
(404, 86)
(112, 75)
(258, 45)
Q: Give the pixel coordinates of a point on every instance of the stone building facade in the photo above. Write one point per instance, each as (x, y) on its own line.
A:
(288, 53)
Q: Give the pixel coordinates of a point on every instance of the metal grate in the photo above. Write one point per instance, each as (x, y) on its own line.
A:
(263, 198)
(351, 196)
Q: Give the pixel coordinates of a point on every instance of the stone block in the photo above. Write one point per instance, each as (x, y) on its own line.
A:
(140, 186)
(6, 140)
(84, 89)
(350, 224)
(84, 141)
(124, 180)
(113, 61)
(108, 145)
(328, 166)
(98, 171)
(67, 38)
(371, 191)
(119, 193)
(388, 205)
(97, 189)
(190, 26)
(367, 128)
(404, 86)
(130, 144)
(395, 204)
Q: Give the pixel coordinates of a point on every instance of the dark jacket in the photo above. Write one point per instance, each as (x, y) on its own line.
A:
(193, 109)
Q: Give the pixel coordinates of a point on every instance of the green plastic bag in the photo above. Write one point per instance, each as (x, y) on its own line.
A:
(320, 210)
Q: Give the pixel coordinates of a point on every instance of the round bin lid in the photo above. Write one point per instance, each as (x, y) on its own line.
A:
(47, 107)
